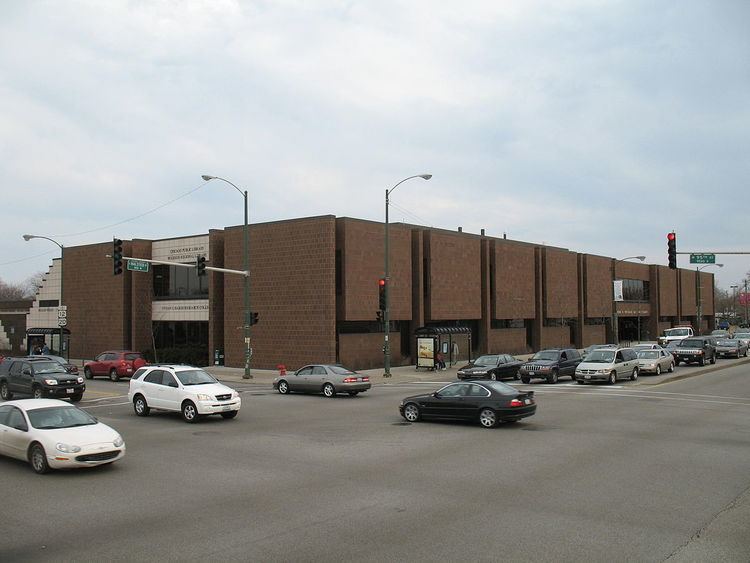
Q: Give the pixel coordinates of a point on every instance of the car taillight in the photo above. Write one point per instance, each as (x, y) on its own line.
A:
(350, 380)
(123, 363)
(365, 379)
(516, 403)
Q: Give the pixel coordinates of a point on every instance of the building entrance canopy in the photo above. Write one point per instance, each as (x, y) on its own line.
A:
(45, 330)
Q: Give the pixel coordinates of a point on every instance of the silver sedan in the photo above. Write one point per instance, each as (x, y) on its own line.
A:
(655, 361)
(323, 378)
(731, 347)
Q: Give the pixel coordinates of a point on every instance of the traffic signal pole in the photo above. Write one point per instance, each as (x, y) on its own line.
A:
(150, 261)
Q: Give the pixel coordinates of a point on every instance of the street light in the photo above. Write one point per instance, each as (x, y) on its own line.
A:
(734, 289)
(700, 299)
(615, 320)
(386, 312)
(27, 238)
(246, 244)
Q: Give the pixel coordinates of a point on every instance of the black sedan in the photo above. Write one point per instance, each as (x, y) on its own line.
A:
(491, 366)
(487, 402)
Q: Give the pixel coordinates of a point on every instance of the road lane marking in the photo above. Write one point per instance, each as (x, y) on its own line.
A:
(106, 405)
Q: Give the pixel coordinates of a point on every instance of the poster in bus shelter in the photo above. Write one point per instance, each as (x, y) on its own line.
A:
(425, 352)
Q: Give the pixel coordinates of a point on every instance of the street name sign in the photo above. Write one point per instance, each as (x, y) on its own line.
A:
(703, 258)
(137, 266)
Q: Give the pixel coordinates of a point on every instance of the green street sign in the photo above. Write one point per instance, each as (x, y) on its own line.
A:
(703, 258)
(137, 266)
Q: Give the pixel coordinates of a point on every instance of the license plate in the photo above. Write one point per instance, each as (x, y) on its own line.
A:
(226, 408)
(587, 377)
(527, 401)
(70, 391)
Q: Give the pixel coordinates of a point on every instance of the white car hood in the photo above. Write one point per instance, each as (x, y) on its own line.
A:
(80, 435)
(209, 389)
(595, 365)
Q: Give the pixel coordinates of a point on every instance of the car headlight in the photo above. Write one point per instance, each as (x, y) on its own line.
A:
(51, 381)
(118, 442)
(80, 380)
(66, 448)
(601, 371)
(235, 395)
(204, 397)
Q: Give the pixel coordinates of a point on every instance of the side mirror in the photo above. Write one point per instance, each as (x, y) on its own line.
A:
(436, 395)
(26, 371)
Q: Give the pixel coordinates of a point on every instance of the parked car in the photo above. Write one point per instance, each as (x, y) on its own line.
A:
(323, 378)
(70, 368)
(698, 349)
(185, 389)
(743, 336)
(53, 434)
(550, 365)
(115, 364)
(647, 347)
(491, 366)
(654, 361)
(486, 402)
(608, 365)
(38, 377)
(731, 348)
(721, 334)
(676, 333)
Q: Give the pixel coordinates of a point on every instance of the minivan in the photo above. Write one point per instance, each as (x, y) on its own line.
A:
(608, 364)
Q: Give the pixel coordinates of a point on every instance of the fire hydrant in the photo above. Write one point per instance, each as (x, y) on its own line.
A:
(282, 369)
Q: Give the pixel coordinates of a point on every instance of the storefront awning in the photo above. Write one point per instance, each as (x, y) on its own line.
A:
(429, 330)
(43, 331)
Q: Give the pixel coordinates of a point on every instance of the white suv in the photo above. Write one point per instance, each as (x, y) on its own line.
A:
(185, 389)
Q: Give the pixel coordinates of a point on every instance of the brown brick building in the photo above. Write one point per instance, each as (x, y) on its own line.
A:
(314, 285)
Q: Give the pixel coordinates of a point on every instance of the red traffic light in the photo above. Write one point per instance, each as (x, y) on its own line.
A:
(670, 236)
(381, 282)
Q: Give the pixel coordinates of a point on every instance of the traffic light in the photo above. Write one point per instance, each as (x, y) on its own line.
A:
(117, 256)
(200, 263)
(672, 250)
(381, 295)
(253, 318)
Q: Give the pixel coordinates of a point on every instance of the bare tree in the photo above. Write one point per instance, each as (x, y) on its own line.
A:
(11, 291)
(32, 284)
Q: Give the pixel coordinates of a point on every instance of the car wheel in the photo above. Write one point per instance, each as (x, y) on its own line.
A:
(612, 378)
(37, 392)
(38, 459)
(525, 380)
(677, 362)
(353, 393)
(113, 375)
(671, 367)
(658, 369)
(713, 359)
(634, 375)
(5, 393)
(487, 418)
(189, 412)
(580, 381)
(76, 398)
(411, 412)
(140, 406)
(283, 387)
(493, 376)
(552, 377)
(328, 390)
(87, 373)
(230, 414)
(516, 376)
(702, 361)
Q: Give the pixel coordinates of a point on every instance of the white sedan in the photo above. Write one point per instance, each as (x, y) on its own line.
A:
(53, 434)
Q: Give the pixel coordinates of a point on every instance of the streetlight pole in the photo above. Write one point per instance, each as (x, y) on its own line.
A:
(700, 297)
(62, 253)
(386, 313)
(245, 266)
(734, 289)
(615, 319)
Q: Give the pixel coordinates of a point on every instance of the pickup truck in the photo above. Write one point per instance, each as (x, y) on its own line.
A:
(677, 333)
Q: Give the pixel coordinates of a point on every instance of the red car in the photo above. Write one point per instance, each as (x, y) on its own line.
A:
(115, 364)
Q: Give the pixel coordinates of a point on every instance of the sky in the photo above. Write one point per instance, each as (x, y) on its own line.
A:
(597, 126)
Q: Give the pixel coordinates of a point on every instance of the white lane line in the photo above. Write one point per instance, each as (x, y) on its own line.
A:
(104, 398)
(633, 395)
(107, 405)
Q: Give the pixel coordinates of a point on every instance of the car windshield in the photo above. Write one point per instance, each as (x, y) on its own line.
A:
(692, 343)
(546, 355)
(648, 354)
(676, 332)
(601, 356)
(340, 370)
(719, 333)
(486, 361)
(674, 344)
(500, 387)
(727, 342)
(643, 346)
(742, 334)
(48, 367)
(59, 417)
(194, 377)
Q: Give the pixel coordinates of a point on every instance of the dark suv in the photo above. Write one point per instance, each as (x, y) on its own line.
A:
(551, 364)
(696, 349)
(40, 378)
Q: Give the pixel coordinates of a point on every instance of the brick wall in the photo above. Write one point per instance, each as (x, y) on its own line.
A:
(556, 337)
(454, 280)
(365, 351)
(142, 292)
(508, 341)
(362, 248)
(667, 292)
(598, 273)
(687, 293)
(594, 334)
(514, 280)
(560, 269)
(707, 293)
(98, 301)
(292, 287)
(632, 271)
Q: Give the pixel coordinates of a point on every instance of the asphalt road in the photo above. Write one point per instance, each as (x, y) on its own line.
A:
(599, 474)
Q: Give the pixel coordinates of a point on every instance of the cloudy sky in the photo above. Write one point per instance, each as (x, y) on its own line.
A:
(594, 125)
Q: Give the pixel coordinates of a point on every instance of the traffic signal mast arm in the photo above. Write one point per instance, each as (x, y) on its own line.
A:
(222, 270)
